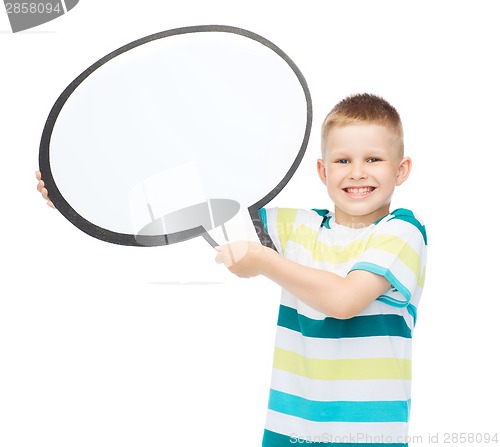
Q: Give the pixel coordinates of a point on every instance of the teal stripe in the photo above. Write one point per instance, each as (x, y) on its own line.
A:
(387, 274)
(321, 212)
(408, 216)
(361, 326)
(412, 310)
(263, 217)
(326, 219)
(339, 411)
(272, 439)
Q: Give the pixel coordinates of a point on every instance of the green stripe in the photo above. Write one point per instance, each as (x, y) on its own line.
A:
(326, 219)
(263, 217)
(339, 411)
(272, 439)
(412, 310)
(361, 326)
(321, 212)
(385, 368)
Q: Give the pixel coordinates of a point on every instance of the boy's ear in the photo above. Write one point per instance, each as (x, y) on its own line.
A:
(321, 170)
(403, 170)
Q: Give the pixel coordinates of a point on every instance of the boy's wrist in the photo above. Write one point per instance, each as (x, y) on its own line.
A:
(267, 259)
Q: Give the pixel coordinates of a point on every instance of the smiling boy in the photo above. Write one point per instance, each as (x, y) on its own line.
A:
(352, 280)
(361, 166)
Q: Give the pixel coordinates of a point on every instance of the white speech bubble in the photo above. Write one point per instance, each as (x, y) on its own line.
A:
(223, 100)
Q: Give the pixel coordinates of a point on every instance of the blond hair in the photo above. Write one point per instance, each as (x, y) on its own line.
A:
(363, 108)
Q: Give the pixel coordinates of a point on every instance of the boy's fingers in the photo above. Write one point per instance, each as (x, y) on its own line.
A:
(230, 254)
(221, 258)
(41, 189)
(225, 256)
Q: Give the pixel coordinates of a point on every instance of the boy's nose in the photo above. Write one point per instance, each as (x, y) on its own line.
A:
(357, 171)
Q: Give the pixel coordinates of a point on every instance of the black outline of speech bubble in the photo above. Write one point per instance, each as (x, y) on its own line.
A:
(129, 239)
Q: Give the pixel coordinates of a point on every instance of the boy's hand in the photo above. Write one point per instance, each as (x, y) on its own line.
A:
(41, 189)
(244, 259)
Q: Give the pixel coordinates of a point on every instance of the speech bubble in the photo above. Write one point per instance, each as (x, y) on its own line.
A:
(221, 99)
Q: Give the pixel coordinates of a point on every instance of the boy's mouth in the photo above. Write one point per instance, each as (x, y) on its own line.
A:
(359, 191)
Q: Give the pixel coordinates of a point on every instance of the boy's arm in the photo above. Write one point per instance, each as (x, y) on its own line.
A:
(324, 291)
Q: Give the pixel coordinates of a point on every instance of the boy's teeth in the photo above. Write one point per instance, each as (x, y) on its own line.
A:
(359, 190)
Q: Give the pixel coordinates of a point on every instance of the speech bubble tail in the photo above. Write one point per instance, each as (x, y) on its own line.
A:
(209, 239)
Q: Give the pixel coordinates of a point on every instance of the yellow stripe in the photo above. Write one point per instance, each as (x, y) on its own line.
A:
(340, 254)
(344, 369)
(421, 278)
(398, 247)
(334, 254)
(285, 222)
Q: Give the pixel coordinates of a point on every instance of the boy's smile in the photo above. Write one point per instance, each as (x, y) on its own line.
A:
(359, 192)
(361, 167)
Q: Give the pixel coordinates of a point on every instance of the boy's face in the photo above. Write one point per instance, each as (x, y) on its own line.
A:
(361, 167)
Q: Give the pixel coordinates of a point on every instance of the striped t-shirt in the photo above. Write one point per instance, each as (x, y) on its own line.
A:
(345, 381)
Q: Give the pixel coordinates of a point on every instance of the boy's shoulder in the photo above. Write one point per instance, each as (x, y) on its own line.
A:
(403, 218)
(282, 223)
(404, 214)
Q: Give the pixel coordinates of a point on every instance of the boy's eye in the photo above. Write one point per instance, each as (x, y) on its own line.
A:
(342, 161)
(373, 160)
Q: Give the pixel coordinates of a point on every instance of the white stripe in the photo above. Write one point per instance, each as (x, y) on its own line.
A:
(341, 236)
(289, 300)
(298, 253)
(335, 390)
(380, 257)
(415, 299)
(343, 348)
(63, 3)
(362, 431)
(272, 228)
(308, 218)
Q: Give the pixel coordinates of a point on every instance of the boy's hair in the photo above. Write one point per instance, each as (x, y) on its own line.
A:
(363, 108)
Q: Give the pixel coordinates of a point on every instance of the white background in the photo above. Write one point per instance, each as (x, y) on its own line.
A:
(106, 345)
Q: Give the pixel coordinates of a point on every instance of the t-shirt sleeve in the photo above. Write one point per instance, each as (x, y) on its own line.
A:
(282, 224)
(397, 250)
(279, 224)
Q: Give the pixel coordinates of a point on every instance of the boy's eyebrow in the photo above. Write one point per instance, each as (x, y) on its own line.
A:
(346, 152)
(338, 152)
